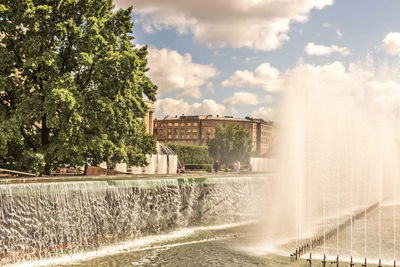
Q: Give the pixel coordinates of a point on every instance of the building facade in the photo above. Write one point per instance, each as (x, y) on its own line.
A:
(197, 130)
(148, 119)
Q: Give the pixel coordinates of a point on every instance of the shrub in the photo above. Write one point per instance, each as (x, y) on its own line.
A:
(198, 167)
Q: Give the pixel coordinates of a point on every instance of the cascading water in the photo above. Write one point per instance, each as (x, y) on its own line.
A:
(41, 220)
(337, 157)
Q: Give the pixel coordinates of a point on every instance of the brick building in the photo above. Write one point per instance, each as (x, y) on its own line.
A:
(197, 130)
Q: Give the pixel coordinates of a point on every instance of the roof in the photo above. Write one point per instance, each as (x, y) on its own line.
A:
(211, 117)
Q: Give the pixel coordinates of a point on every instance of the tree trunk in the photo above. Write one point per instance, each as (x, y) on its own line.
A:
(45, 132)
(45, 142)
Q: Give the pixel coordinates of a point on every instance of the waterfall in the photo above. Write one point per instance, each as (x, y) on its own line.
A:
(55, 218)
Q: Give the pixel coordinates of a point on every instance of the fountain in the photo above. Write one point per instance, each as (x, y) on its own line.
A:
(334, 195)
(337, 175)
(40, 219)
(151, 164)
(164, 162)
(262, 164)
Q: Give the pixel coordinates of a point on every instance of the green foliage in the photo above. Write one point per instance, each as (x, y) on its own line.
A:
(230, 144)
(71, 85)
(204, 167)
(191, 154)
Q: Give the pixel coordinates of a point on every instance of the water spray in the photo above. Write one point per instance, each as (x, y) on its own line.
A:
(365, 263)
(309, 259)
(324, 261)
(351, 261)
(337, 261)
(294, 254)
(321, 239)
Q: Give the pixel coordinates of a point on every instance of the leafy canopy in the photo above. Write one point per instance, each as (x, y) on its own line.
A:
(191, 154)
(71, 85)
(230, 144)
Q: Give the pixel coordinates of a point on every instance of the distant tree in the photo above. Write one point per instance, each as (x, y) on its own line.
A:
(190, 154)
(71, 85)
(230, 144)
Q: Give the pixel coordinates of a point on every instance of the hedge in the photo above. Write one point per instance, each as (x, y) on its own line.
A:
(191, 154)
(205, 167)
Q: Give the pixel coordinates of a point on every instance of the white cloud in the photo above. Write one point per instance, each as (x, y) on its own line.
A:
(326, 25)
(172, 107)
(242, 98)
(339, 34)
(264, 77)
(210, 88)
(260, 25)
(207, 106)
(331, 77)
(313, 49)
(391, 43)
(172, 72)
(376, 89)
(263, 113)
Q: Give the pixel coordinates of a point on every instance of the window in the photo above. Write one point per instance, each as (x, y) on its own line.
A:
(176, 124)
(195, 136)
(182, 124)
(188, 124)
(195, 130)
(169, 136)
(189, 130)
(169, 124)
(195, 124)
(169, 130)
(188, 136)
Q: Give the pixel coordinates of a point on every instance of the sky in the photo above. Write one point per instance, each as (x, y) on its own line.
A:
(238, 57)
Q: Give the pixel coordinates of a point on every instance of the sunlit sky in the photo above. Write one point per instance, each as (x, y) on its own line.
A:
(234, 57)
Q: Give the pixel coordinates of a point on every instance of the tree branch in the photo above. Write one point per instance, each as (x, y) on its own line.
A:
(14, 48)
(27, 139)
(89, 76)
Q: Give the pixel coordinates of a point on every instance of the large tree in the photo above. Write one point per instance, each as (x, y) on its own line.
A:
(230, 144)
(71, 85)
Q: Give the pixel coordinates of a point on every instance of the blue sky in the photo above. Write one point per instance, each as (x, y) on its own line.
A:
(195, 67)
